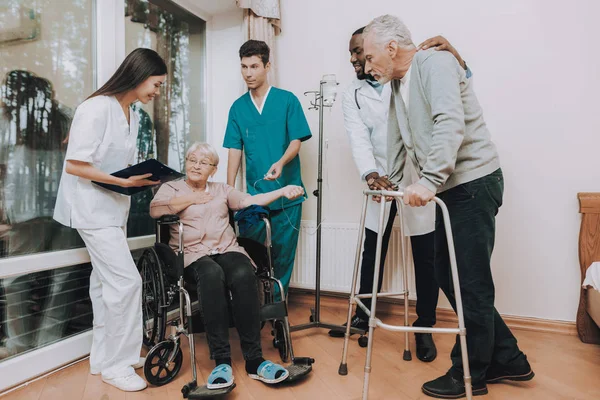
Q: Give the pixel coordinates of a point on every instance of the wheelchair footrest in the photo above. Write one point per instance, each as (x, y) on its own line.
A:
(300, 368)
(272, 311)
(202, 392)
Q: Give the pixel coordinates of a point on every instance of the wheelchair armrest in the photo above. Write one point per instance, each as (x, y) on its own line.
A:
(168, 219)
(261, 212)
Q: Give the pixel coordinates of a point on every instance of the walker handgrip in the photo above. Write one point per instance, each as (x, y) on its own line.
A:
(399, 194)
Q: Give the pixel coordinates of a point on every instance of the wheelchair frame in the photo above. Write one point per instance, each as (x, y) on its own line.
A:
(167, 350)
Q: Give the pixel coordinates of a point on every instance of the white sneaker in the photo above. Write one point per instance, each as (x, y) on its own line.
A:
(130, 383)
(140, 363)
(137, 365)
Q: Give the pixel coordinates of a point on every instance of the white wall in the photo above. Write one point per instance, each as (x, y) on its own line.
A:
(535, 76)
(225, 84)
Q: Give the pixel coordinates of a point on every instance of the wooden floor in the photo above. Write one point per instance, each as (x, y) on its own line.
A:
(565, 369)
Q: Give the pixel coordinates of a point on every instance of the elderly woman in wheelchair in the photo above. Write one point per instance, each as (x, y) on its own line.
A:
(218, 265)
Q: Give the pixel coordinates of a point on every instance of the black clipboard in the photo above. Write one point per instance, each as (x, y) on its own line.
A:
(159, 171)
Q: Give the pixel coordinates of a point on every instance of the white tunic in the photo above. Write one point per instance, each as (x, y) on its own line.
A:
(100, 136)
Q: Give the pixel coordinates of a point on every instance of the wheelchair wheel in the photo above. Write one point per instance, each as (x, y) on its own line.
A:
(157, 369)
(363, 341)
(280, 340)
(154, 314)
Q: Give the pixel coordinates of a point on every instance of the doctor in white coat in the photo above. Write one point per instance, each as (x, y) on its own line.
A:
(365, 105)
(102, 140)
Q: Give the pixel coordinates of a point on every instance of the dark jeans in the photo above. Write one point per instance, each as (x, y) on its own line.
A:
(423, 256)
(216, 276)
(473, 207)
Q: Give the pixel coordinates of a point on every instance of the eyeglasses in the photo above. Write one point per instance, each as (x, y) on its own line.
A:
(202, 163)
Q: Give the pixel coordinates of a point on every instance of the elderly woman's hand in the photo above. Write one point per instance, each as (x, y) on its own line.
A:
(201, 197)
(292, 192)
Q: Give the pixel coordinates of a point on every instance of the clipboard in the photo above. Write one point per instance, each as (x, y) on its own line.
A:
(159, 171)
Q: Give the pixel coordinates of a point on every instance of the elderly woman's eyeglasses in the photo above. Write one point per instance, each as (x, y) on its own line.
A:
(202, 163)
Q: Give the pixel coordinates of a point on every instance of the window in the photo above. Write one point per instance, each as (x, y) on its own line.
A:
(174, 120)
(47, 69)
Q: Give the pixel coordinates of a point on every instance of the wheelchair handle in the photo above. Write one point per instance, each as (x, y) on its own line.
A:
(168, 219)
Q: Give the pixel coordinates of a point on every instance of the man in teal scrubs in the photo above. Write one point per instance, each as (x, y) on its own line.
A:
(269, 125)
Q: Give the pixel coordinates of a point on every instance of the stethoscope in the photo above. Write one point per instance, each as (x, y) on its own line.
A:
(356, 97)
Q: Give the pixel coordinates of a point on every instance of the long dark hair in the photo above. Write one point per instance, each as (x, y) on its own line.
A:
(138, 66)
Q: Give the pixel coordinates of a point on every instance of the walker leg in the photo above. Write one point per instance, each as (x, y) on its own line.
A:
(368, 361)
(343, 369)
(406, 356)
(458, 297)
(372, 319)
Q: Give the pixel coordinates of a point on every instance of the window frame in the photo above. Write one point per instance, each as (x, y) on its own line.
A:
(108, 50)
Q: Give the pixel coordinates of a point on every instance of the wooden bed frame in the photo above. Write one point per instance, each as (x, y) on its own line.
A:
(589, 251)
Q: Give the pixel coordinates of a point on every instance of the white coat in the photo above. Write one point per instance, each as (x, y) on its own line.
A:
(365, 121)
(100, 136)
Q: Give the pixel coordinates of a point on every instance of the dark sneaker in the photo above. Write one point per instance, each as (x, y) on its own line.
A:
(356, 322)
(448, 387)
(519, 372)
(426, 350)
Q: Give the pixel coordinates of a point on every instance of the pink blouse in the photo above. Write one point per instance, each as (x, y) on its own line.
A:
(206, 228)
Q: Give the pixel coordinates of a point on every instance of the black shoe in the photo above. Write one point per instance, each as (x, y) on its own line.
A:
(356, 322)
(426, 350)
(448, 387)
(519, 372)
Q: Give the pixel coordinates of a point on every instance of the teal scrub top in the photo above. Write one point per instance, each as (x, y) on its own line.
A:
(265, 138)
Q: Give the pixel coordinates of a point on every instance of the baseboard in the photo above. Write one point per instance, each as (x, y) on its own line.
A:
(339, 301)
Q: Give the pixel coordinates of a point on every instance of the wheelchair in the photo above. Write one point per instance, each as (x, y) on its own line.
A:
(167, 299)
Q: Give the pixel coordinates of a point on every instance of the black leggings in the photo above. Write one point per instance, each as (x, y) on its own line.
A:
(216, 276)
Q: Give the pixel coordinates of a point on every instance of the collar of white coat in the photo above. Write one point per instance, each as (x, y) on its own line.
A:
(362, 87)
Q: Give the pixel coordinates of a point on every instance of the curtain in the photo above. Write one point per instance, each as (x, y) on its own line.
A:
(262, 22)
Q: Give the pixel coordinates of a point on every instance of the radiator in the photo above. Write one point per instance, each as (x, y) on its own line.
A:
(338, 249)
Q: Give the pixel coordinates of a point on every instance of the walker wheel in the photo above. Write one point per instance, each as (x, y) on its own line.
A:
(157, 369)
(363, 341)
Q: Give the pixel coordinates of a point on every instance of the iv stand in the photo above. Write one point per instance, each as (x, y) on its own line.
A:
(315, 317)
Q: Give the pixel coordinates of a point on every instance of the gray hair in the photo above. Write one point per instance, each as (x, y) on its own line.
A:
(205, 150)
(387, 28)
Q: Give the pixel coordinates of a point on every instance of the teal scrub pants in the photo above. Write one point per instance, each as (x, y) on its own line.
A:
(285, 227)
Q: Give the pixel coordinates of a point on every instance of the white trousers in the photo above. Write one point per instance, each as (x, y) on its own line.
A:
(116, 295)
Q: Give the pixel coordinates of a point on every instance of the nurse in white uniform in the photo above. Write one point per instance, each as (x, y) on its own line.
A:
(102, 140)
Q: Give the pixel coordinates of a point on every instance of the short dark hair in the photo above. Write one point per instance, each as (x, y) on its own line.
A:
(256, 48)
(359, 31)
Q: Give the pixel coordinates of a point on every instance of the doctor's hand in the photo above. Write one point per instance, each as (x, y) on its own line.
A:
(441, 43)
(274, 172)
(376, 182)
(292, 191)
(417, 195)
(139, 180)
